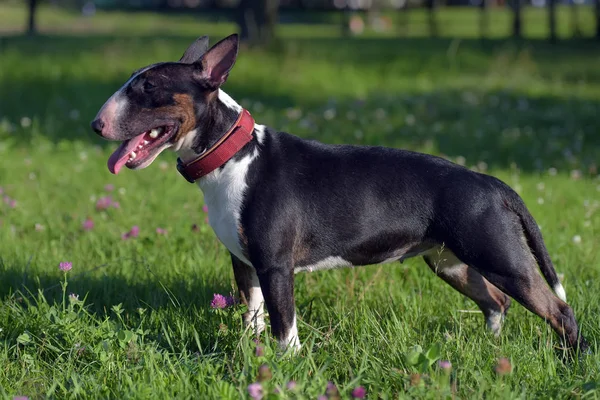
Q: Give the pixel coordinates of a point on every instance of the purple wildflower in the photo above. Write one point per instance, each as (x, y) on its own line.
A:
(445, 365)
(109, 187)
(218, 301)
(205, 208)
(359, 392)
(12, 203)
(133, 232)
(65, 266)
(88, 224)
(20, 398)
(255, 391)
(331, 388)
(161, 231)
(291, 385)
(259, 351)
(230, 301)
(105, 203)
(264, 373)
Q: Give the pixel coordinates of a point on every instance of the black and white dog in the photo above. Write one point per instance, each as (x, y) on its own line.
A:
(281, 204)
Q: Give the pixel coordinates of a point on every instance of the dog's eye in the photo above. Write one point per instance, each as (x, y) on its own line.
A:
(148, 86)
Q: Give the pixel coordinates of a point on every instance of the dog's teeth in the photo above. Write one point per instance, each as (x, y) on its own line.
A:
(132, 155)
(140, 146)
(154, 133)
(146, 142)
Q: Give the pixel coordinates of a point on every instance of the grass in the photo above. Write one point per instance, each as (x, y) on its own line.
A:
(142, 325)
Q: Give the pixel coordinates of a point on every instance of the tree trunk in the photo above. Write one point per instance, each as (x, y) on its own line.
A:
(433, 28)
(575, 20)
(257, 20)
(552, 20)
(517, 23)
(403, 19)
(598, 19)
(31, 26)
(484, 19)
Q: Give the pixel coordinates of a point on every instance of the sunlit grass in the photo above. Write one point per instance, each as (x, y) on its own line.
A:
(142, 325)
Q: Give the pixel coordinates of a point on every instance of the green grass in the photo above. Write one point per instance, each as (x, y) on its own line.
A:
(143, 328)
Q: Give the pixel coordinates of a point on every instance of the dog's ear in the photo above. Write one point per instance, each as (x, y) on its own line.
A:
(218, 61)
(195, 51)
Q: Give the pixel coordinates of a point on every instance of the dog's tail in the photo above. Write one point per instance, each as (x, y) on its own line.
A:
(536, 243)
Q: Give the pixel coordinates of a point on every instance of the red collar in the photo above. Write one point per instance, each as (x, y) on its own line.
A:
(222, 151)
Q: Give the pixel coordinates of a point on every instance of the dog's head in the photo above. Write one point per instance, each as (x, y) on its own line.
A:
(162, 103)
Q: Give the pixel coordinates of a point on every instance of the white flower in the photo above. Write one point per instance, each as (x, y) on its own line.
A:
(25, 122)
(329, 114)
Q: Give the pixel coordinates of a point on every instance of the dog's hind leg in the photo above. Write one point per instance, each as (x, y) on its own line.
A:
(494, 244)
(493, 303)
(250, 294)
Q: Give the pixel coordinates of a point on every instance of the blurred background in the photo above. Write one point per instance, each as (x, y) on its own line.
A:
(257, 19)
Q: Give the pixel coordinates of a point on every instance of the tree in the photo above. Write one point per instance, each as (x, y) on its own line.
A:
(484, 18)
(517, 22)
(433, 28)
(552, 20)
(31, 25)
(257, 20)
(598, 19)
(575, 20)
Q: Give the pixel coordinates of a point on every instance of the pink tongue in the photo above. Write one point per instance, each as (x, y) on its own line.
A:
(121, 155)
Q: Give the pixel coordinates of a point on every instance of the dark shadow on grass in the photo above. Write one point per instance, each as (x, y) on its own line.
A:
(106, 289)
(165, 304)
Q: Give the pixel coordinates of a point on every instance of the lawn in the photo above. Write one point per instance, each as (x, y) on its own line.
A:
(133, 317)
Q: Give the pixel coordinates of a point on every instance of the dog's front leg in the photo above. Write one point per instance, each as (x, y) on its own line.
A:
(250, 294)
(277, 285)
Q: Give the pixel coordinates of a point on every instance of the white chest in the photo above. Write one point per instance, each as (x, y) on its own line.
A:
(224, 195)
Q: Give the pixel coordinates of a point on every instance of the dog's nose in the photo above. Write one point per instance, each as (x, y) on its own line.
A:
(97, 126)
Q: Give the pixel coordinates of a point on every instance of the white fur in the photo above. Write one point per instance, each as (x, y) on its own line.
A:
(255, 316)
(224, 194)
(560, 292)
(259, 130)
(228, 101)
(494, 322)
(326, 263)
(291, 340)
(223, 189)
(183, 147)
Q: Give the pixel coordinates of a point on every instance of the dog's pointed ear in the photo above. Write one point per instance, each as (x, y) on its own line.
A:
(195, 51)
(218, 61)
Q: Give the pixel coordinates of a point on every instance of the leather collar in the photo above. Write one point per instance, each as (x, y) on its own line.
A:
(226, 147)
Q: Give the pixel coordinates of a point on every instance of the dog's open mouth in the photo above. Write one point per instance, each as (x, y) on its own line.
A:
(140, 151)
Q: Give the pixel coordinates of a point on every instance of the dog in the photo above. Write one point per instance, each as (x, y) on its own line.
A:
(282, 204)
